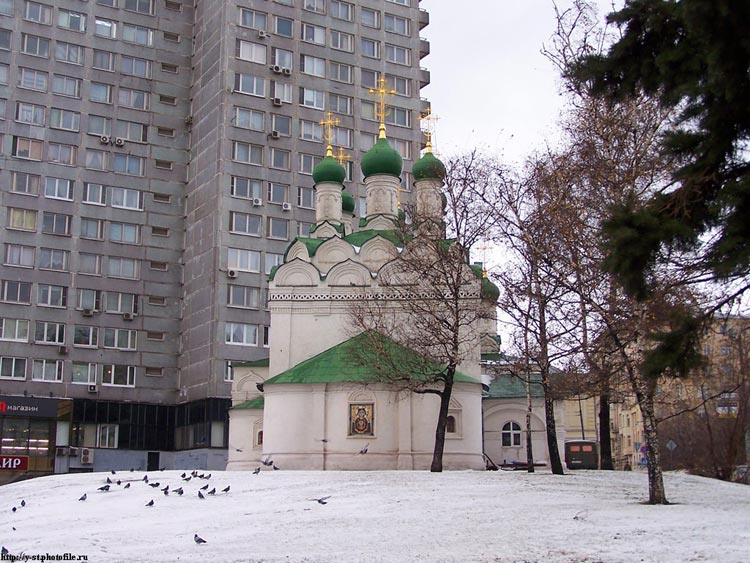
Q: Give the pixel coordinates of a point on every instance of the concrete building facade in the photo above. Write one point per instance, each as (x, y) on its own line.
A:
(157, 159)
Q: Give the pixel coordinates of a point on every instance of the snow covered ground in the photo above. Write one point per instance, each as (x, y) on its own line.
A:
(385, 517)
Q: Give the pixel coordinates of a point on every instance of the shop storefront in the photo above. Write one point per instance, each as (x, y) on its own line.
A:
(30, 428)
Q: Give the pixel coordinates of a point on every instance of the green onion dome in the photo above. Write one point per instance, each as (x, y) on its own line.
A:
(329, 170)
(347, 202)
(428, 167)
(382, 159)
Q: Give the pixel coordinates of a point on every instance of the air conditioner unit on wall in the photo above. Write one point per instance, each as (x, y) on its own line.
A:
(286, 206)
(275, 135)
(232, 274)
(276, 102)
(287, 71)
(62, 350)
(87, 312)
(276, 69)
(120, 142)
(257, 202)
(87, 456)
(128, 316)
(92, 388)
(61, 451)
(262, 34)
(104, 140)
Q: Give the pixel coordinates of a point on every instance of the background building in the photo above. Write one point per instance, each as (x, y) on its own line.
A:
(156, 162)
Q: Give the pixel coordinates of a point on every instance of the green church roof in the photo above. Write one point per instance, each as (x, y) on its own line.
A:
(355, 360)
(256, 403)
(347, 202)
(382, 159)
(329, 170)
(428, 167)
(489, 290)
(512, 387)
(361, 237)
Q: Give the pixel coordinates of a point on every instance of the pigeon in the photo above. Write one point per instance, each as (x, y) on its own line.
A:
(145, 478)
(201, 476)
(212, 491)
(4, 551)
(14, 509)
(166, 493)
(237, 450)
(363, 451)
(194, 473)
(225, 489)
(132, 469)
(109, 481)
(183, 475)
(186, 479)
(113, 471)
(199, 540)
(23, 502)
(207, 476)
(119, 482)
(200, 495)
(321, 500)
(581, 515)
(204, 487)
(324, 440)
(267, 462)
(83, 497)
(162, 468)
(105, 488)
(178, 491)
(165, 489)
(127, 486)
(256, 470)
(275, 468)
(150, 503)
(154, 485)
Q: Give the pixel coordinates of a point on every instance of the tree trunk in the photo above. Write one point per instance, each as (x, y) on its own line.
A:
(605, 436)
(529, 443)
(554, 451)
(656, 493)
(445, 399)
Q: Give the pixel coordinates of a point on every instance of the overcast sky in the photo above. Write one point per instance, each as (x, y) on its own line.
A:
(490, 86)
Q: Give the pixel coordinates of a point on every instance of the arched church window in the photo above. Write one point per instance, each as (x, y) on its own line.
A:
(260, 437)
(511, 434)
(450, 425)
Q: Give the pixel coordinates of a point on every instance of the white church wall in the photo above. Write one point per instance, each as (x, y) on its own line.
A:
(243, 452)
(498, 412)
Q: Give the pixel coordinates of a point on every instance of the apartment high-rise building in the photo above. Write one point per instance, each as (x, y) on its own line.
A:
(157, 160)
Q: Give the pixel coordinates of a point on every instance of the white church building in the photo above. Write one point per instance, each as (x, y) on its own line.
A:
(315, 404)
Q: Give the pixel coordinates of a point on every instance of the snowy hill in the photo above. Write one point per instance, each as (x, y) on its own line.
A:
(502, 517)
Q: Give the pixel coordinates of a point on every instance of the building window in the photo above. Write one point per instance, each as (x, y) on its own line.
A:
(282, 58)
(313, 66)
(32, 79)
(16, 330)
(121, 303)
(135, 99)
(58, 153)
(66, 86)
(154, 372)
(342, 41)
(19, 255)
(273, 260)
(249, 119)
(341, 72)
(138, 35)
(126, 233)
(342, 136)
(158, 266)
(253, 52)
(157, 300)
(342, 10)
(311, 131)
(125, 268)
(86, 336)
(47, 370)
(56, 223)
(241, 334)
(120, 338)
(95, 159)
(402, 86)
(106, 434)
(134, 66)
(128, 164)
(140, 6)
(15, 292)
(101, 126)
(370, 18)
(49, 333)
(12, 368)
(396, 24)
(118, 375)
(370, 48)
(104, 60)
(83, 373)
(511, 434)
(242, 296)
(282, 91)
(306, 197)
(30, 149)
(94, 194)
(278, 228)
(318, 6)
(313, 34)
(68, 53)
(303, 229)
(401, 147)
(131, 131)
(159, 232)
(312, 98)
(450, 424)
(253, 19)
(245, 188)
(283, 26)
(89, 264)
(34, 46)
(92, 229)
(53, 259)
(64, 119)
(74, 21)
(307, 163)
(24, 183)
(247, 153)
(282, 124)
(398, 55)
(58, 188)
(21, 219)
(244, 223)
(105, 28)
(39, 13)
(277, 193)
(281, 159)
(171, 69)
(126, 198)
(401, 2)
(30, 113)
(243, 260)
(228, 371)
(90, 299)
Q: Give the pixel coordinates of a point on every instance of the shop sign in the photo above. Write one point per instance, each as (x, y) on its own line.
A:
(14, 463)
(33, 407)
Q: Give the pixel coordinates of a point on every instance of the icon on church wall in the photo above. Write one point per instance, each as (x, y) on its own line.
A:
(360, 419)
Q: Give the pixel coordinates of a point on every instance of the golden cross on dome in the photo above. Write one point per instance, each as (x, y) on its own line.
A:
(484, 259)
(381, 110)
(328, 124)
(342, 156)
(427, 123)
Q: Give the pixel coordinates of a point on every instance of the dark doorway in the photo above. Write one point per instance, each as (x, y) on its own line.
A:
(153, 461)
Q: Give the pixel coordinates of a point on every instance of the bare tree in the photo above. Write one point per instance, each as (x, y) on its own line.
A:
(429, 300)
